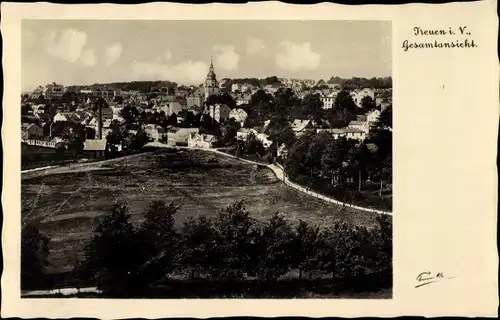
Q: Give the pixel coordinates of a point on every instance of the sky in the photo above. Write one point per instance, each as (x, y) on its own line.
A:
(79, 52)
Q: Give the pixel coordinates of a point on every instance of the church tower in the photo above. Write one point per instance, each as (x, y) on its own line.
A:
(210, 82)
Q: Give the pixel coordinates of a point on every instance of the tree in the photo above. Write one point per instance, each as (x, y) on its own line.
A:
(34, 253)
(297, 157)
(69, 97)
(305, 244)
(339, 118)
(74, 134)
(385, 119)
(25, 109)
(316, 148)
(50, 110)
(276, 255)
(284, 101)
(198, 255)
(114, 254)
(229, 130)
(313, 107)
(159, 241)
(129, 113)
(345, 101)
(367, 103)
(90, 133)
(233, 227)
(253, 146)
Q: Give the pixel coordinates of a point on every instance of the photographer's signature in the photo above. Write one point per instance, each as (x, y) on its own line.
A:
(428, 277)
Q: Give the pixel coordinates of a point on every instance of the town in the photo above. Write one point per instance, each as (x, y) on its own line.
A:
(98, 121)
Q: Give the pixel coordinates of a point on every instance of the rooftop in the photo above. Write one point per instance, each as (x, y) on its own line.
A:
(95, 145)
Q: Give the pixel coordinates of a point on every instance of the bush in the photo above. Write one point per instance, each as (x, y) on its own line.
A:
(34, 252)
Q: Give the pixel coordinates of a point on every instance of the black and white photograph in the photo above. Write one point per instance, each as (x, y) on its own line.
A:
(187, 159)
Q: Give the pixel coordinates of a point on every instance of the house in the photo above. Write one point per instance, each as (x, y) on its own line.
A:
(194, 100)
(329, 99)
(358, 95)
(282, 151)
(106, 112)
(243, 99)
(300, 126)
(179, 136)
(116, 111)
(95, 148)
(264, 138)
(196, 140)
(53, 90)
(361, 117)
(37, 93)
(239, 115)
(360, 125)
(372, 116)
(66, 116)
(348, 133)
(155, 132)
(265, 125)
(235, 87)
(243, 133)
(219, 112)
(31, 131)
(172, 107)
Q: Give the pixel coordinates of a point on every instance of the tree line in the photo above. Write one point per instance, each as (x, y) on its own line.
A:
(127, 260)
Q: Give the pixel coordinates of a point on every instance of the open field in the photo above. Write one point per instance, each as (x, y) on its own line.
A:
(67, 204)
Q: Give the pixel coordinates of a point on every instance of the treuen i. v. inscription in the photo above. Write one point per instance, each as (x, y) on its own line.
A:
(461, 31)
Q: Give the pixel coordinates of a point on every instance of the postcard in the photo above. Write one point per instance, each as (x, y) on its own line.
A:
(260, 159)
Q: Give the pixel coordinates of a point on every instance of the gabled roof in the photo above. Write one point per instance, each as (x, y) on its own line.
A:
(299, 125)
(356, 123)
(343, 130)
(238, 111)
(95, 145)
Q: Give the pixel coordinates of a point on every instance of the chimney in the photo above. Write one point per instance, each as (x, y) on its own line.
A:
(99, 120)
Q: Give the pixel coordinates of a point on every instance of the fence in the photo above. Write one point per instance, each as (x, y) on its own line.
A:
(280, 173)
(42, 143)
(64, 292)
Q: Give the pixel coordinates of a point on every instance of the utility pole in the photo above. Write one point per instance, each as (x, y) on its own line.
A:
(359, 180)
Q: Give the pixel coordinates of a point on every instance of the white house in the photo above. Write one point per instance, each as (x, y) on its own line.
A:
(219, 112)
(358, 95)
(196, 140)
(157, 133)
(66, 116)
(243, 133)
(300, 126)
(172, 107)
(235, 87)
(360, 125)
(264, 138)
(329, 100)
(372, 116)
(239, 115)
(348, 133)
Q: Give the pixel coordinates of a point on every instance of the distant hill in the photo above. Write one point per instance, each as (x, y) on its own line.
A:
(253, 81)
(382, 83)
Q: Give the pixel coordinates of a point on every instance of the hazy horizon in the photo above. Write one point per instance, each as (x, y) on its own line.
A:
(84, 52)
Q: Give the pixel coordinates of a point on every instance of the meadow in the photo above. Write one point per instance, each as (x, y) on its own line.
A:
(67, 204)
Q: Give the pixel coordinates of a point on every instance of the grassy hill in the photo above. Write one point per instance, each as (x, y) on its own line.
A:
(68, 204)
